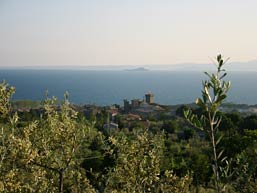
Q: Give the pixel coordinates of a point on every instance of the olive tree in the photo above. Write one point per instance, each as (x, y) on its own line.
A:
(45, 155)
(58, 142)
(138, 166)
(15, 149)
(214, 92)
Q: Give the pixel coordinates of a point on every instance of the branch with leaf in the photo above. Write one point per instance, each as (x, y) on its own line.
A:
(214, 92)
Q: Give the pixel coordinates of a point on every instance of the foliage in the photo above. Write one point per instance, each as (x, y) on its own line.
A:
(180, 110)
(138, 164)
(170, 126)
(188, 133)
(26, 104)
(44, 156)
(213, 94)
(249, 122)
(6, 93)
(15, 150)
(246, 169)
(55, 149)
(58, 141)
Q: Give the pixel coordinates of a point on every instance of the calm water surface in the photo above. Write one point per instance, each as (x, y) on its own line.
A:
(110, 87)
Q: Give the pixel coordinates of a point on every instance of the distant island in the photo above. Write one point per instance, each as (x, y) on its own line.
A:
(138, 69)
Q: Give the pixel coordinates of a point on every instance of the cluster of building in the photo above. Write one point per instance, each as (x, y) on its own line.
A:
(133, 111)
(142, 107)
(137, 103)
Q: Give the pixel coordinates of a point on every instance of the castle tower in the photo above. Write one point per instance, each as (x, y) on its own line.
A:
(126, 105)
(149, 98)
(135, 103)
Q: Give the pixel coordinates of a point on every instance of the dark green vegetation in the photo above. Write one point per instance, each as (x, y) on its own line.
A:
(57, 147)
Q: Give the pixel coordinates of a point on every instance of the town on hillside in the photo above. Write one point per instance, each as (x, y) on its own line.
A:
(135, 113)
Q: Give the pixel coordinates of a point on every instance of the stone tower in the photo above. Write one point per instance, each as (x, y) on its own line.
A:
(126, 105)
(149, 98)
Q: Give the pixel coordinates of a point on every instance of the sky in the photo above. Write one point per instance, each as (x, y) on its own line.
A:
(125, 32)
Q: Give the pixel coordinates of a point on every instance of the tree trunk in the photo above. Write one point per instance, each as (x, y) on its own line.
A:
(61, 181)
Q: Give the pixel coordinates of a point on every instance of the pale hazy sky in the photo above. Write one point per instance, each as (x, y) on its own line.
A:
(125, 32)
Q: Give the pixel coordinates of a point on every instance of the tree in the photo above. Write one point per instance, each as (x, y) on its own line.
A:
(58, 142)
(249, 122)
(46, 155)
(214, 92)
(180, 110)
(6, 93)
(15, 149)
(246, 164)
(170, 126)
(138, 163)
(188, 133)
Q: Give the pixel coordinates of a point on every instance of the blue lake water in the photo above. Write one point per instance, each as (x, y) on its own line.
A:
(110, 87)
